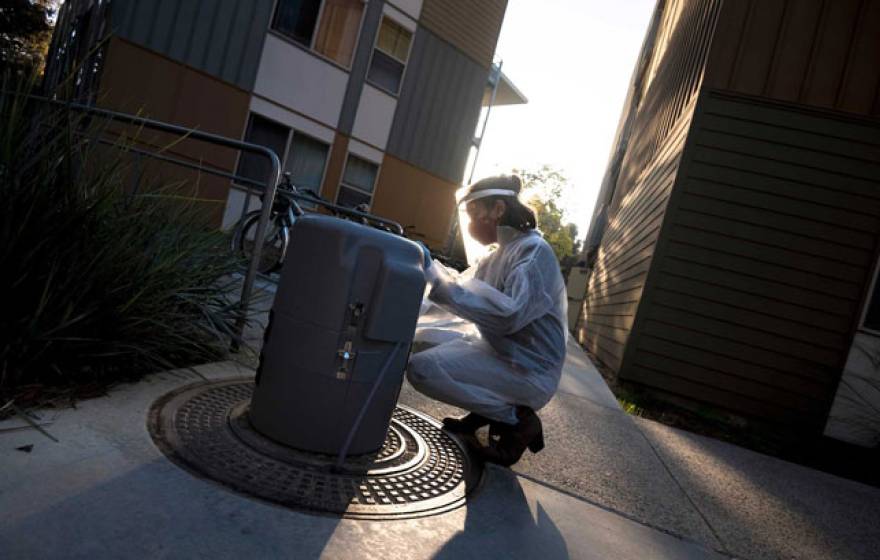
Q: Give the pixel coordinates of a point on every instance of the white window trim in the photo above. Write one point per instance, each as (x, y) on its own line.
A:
(282, 115)
(247, 128)
(376, 47)
(365, 151)
(342, 182)
(400, 17)
(311, 46)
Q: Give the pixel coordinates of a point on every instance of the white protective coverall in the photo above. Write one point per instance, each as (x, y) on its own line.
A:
(516, 299)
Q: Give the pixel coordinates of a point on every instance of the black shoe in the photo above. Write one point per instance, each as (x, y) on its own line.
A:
(507, 443)
(467, 425)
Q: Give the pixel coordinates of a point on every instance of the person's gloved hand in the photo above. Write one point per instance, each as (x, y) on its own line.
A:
(430, 269)
(426, 254)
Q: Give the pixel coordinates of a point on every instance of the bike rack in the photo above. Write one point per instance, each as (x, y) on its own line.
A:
(350, 212)
(269, 186)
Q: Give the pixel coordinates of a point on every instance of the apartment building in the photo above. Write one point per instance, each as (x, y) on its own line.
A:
(370, 102)
(742, 200)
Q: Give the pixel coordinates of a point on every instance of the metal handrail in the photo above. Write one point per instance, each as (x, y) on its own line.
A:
(269, 187)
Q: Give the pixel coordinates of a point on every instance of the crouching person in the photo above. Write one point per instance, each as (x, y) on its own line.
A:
(516, 298)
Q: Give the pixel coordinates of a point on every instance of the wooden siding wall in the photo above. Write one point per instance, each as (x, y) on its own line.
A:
(674, 77)
(765, 254)
(823, 53)
(648, 171)
(624, 257)
(472, 27)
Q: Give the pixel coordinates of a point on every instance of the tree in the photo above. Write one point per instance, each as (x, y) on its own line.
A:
(25, 32)
(542, 190)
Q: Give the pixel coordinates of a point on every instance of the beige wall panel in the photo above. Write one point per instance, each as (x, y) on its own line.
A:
(470, 26)
(281, 78)
(412, 197)
(412, 8)
(375, 115)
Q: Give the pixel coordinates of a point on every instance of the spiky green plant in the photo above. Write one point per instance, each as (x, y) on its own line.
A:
(99, 284)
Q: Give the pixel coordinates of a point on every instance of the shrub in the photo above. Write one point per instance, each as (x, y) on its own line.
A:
(98, 284)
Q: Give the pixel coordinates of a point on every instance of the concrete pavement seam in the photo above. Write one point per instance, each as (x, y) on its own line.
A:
(625, 515)
(681, 487)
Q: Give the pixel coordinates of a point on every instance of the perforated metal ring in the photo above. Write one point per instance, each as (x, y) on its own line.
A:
(421, 470)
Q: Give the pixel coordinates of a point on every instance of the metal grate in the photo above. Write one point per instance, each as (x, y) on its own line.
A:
(420, 470)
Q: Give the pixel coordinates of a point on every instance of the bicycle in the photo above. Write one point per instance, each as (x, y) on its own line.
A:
(285, 210)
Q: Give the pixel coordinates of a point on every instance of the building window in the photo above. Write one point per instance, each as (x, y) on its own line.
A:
(358, 182)
(265, 133)
(305, 160)
(390, 56)
(329, 27)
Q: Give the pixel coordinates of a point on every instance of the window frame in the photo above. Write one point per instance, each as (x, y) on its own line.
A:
(247, 131)
(875, 280)
(342, 182)
(293, 132)
(310, 48)
(391, 56)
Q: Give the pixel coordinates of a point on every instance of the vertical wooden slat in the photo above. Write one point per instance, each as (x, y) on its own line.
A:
(737, 43)
(830, 55)
(820, 53)
(757, 47)
(862, 78)
(792, 53)
(777, 41)
(853, 40)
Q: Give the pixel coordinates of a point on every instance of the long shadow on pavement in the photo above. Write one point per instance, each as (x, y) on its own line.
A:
(764, 508)
(155, 510)
(500, 524)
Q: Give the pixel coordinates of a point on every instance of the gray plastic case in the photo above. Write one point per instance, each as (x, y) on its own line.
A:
(348, 295)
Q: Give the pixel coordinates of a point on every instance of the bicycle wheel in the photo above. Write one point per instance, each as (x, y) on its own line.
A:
(274, 244)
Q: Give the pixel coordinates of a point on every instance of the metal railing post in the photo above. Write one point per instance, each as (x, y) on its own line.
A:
(269, 188)
(265, 212)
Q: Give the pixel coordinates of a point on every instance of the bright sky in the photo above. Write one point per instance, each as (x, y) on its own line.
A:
(572, 59)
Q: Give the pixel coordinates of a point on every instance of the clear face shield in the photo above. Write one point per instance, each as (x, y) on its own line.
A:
(474, 250)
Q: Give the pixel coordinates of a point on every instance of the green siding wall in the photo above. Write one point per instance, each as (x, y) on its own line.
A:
(763, 260)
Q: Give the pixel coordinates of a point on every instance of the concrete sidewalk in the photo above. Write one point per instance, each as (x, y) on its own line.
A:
(606, 486)
(104, 491)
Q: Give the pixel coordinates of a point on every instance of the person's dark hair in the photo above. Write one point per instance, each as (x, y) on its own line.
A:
(517, 215)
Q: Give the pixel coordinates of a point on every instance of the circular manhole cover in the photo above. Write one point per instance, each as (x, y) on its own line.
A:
(421, 470)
